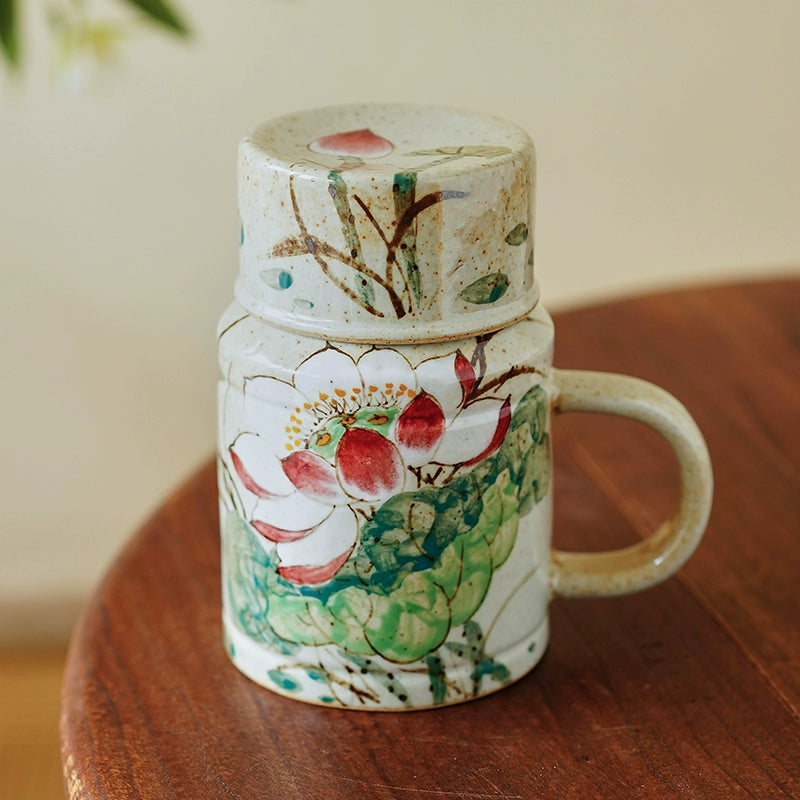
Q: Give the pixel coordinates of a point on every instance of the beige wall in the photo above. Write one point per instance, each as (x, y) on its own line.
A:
(667, 137)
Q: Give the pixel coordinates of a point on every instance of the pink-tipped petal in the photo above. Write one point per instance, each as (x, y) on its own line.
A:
(361, 144)
(295, 512)
(274, 534)
(446, 378)
(311, 575)
(258, 467)
(245, 477)
(475, 433)
(419, 429)
(318, 556)
(313, 476)
(503, 422)
(369, 466)
(465, 374)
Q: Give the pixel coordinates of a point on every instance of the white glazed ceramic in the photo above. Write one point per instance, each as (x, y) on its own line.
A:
(387, 223)
(386, 503)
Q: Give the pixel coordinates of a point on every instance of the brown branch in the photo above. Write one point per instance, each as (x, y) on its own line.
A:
(479, 358)
(391, 254)
(506, 376)
(371, 217)
(416, 209)
(323, 265)
(315, 247)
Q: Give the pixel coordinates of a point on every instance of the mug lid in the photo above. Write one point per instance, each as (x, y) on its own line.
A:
(387, 223)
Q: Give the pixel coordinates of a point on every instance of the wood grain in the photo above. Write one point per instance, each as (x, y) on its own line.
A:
(689, 690)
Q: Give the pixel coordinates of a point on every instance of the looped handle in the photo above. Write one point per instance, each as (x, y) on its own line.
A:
(640, 566)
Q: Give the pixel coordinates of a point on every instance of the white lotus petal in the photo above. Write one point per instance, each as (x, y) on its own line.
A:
(256, 462)
(296, 512)
(232, 420)
(331, 539)
(470, 433)
(437, 377)
(328, 375)
(390, 373)
(270, 404)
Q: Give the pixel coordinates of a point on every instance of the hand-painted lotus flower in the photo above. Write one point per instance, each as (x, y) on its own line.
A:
(346, 435)
(356, 144)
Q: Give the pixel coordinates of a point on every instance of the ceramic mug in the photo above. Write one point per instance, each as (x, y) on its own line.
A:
(385, 500)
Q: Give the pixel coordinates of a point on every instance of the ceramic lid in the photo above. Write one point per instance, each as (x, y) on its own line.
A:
(387, 223)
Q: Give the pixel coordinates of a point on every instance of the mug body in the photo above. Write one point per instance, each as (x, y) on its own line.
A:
(385, 512)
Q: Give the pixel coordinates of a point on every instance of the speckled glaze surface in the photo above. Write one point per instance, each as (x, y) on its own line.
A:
(384, 452)
(387, 223)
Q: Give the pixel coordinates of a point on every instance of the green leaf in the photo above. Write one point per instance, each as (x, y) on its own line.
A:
(160, 12)
(517, 235)
(8, 31)
(405, 185)
(276, 278)
(424, 564)
(474, 648)
(436, 674)
(487, 289)
(283, 681)
(362, 285)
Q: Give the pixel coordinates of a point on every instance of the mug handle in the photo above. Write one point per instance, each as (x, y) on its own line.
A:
(642, 565)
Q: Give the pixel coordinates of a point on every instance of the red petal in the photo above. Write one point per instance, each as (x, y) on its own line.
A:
(361, 144)
(421, 425)
(313, 476)
(247, 478)
(503, 421)
(466, 376)
(301, 574)
(278, 534)
(368, 464)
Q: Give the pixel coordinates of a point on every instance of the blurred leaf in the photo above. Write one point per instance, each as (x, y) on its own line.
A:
(517, 235)
(487, 289)
(159, 11)
(8, 31)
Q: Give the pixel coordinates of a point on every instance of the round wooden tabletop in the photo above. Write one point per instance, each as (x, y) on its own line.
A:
(691, 689)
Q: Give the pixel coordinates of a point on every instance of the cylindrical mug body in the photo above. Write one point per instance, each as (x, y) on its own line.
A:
(385, 512)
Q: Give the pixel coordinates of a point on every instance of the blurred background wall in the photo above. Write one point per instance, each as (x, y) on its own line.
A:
(667, 138)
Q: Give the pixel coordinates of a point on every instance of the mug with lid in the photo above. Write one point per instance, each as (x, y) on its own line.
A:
(386, 393)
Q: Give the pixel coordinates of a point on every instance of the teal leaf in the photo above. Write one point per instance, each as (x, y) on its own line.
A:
(405, 186)
(159, 11)
(8, 31)
(436, 675)
(284, 681)
(473, 648)
(424, 563)
(303, 305)
(517, 235)
(337, 188)
(276, 278)
(487, 289)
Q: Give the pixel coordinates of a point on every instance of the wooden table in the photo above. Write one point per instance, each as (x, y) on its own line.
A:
(689, 690)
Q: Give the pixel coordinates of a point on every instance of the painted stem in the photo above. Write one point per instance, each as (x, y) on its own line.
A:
(506, 376)
(323, 265)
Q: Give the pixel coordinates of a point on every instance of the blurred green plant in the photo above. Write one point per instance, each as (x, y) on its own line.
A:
(79, 36)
